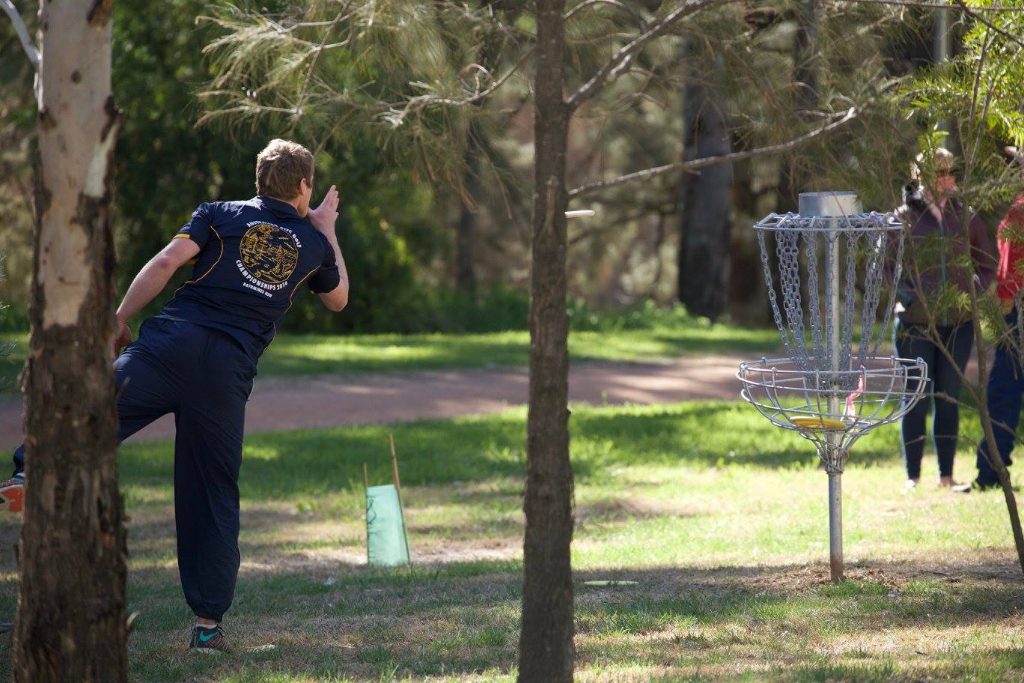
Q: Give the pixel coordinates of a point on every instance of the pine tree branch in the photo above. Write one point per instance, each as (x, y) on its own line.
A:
(695, 164)
(319, 51)
(31, 51)
(982, 20)
(621, 60)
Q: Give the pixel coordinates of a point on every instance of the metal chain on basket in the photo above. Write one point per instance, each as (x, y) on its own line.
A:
(830, 331)
(874, 269)
(796, 240)
(852, 251)
(772, 299)
(890, 308)
(788, 252)
(814, 301)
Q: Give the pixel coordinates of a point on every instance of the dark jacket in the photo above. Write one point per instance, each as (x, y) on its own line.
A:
(944, 253)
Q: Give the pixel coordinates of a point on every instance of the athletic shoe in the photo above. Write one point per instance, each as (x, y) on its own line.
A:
(12, 493)
(975, 486)
(208, 641)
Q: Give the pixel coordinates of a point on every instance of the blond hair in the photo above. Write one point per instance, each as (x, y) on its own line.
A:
(280, 168)
(940, 157)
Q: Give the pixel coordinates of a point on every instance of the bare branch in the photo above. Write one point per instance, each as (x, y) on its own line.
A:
(614, 3)
(31, 51)
(621, 60)
(695, 164)
(397, 113)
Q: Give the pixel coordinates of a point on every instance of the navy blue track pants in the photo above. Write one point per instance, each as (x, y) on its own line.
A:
(942, 392)
(204, 377)
(1005, 394)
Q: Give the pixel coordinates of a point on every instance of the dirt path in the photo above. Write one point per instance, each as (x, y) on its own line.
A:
(279, 403)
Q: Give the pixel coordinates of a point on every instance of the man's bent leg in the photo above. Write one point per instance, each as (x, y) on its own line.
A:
(145, 393)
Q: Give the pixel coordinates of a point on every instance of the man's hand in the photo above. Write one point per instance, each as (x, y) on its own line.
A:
(149, 282)
(122, 338)
(324, 216)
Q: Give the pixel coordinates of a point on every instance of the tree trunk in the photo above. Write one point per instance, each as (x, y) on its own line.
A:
(806, 57)
(546, 642)
(705, 197)
(477, 148)
(465, 233)
(806, 78)
(998, 465)
(71, 622)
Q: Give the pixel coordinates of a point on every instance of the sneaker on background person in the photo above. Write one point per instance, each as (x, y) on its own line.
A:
(12, 493)
(977, 486)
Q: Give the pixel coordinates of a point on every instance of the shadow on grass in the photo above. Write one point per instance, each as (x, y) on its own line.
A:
(285, 465)
(777, 623)
(333, 621)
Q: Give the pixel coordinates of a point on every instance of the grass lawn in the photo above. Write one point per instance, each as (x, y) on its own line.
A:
(719, 519)
(320, 354)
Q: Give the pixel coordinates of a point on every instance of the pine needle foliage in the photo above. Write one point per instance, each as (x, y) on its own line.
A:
(981, 90)
(403, 74)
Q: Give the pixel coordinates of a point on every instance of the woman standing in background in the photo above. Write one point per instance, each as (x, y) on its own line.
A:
(947, 247)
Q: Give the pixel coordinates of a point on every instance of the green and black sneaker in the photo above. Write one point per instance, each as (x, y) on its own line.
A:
(208, 640)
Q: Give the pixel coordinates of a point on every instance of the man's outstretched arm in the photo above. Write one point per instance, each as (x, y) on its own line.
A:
(150, 281)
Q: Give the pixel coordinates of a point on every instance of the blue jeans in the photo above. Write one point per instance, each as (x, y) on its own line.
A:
(1005, 390)
(943, 389)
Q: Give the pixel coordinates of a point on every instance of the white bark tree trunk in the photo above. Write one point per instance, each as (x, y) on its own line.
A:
(71, 622)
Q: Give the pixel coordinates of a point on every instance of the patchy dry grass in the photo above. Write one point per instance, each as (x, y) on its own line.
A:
(719, 520)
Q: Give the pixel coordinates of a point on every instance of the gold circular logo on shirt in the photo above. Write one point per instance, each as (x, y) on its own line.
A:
(269, 253)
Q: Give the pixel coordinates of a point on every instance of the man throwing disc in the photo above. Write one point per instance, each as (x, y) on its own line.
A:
(197, 357)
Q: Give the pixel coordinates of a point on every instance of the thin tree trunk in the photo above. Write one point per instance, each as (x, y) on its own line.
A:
(465, 232)
(546, 641)
(71, 622)
(993, 455)
(806, 57)
(806, 78)
(996, 462)
(705, 197)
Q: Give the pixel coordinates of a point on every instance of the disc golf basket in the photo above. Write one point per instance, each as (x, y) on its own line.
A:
(825, 286)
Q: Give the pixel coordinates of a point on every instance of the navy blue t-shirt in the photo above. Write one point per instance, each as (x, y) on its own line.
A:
(253, 257)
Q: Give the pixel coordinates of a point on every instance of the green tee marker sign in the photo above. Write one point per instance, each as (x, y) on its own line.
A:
(386, 543)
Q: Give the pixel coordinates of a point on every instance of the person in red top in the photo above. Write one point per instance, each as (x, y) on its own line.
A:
(1006, 379)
